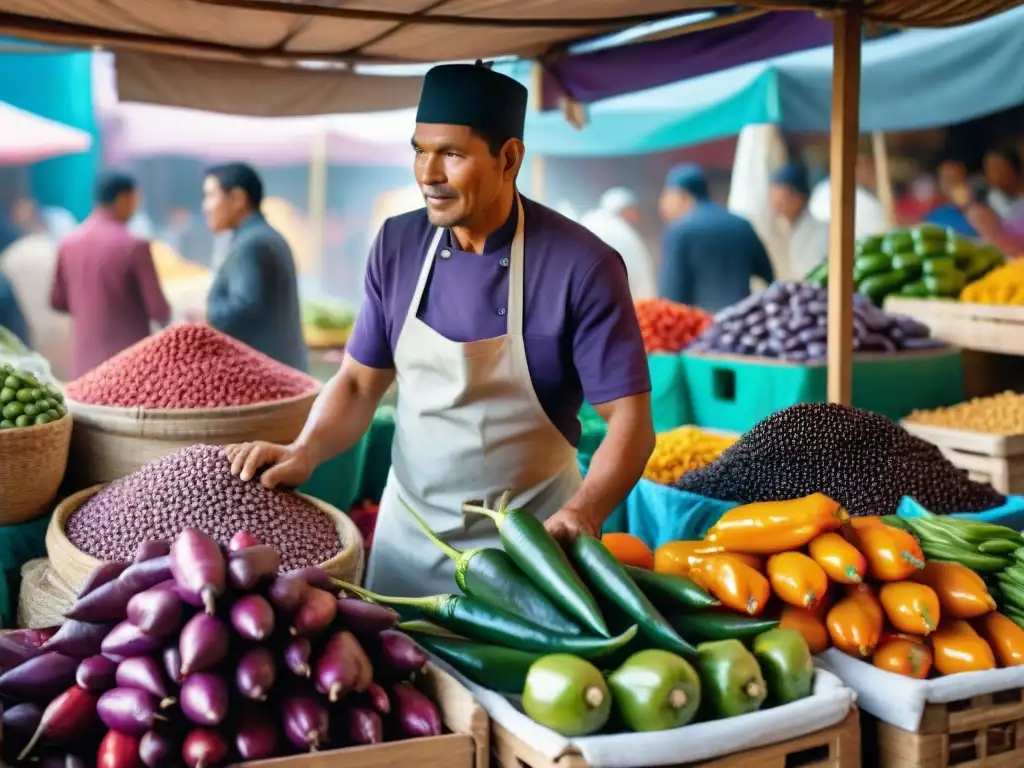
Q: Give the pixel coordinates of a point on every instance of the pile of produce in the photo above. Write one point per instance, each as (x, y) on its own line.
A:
(669, 327)
(25, 402)
(533, 619)
(193, 655)
(860, 459)
(789, 321)
(327, 315)
(682, 450)
(11, 345)
(865, 585)
(922, 262)
(189, 366)
(194, 488)
(1001, 414)
(1004, 285)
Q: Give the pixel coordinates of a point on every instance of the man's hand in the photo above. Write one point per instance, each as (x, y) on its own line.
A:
(290, 466)
(567, 525)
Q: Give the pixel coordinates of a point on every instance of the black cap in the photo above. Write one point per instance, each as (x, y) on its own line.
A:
(476, 96)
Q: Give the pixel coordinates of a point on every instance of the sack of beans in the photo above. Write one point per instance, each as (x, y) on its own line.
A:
(194, 488)
(188, 384)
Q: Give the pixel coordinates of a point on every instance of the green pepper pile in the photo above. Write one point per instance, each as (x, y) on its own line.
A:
(25, 402)
(587, 641)
(922, 262)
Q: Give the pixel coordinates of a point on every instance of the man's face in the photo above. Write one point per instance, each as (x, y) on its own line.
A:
(952, 180)
(786, 202)
(220, 208)
(457, 174)
(1000, 174)
(674, 203)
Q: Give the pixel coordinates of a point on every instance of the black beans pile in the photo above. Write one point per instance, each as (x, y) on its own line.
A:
(862, 460)
(194, 488)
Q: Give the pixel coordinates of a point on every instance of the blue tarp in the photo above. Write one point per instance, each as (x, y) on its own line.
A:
(913, 80)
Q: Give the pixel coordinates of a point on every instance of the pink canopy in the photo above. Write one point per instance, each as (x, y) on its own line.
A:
(140, 130)
(26, 138)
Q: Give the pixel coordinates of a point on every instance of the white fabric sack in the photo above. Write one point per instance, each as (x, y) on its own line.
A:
(829, 705)
(900, 700)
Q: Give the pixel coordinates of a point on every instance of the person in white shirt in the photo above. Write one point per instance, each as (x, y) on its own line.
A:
(870, 218)
(1004, 174)
(613, 221)
(808, 238)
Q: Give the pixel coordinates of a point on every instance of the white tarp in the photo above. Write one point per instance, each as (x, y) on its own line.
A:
(26, 138)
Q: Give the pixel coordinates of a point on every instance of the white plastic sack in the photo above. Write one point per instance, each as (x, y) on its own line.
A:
(829, 705)
(900, 700)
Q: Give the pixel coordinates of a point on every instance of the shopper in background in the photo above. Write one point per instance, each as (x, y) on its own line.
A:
(105, 279)
(255, 295)
(708, 253)
(1004, 174)
(614, 221)
(870, 218)
(11, 316)
(955, 196)
(789, 193)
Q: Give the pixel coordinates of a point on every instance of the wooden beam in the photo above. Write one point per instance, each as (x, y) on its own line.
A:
(538, 168)
(843, 188)
(883, 177)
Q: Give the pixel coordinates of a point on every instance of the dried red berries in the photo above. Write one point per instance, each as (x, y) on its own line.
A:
(189, 366)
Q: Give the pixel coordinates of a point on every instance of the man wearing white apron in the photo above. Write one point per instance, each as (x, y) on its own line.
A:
(498, 316)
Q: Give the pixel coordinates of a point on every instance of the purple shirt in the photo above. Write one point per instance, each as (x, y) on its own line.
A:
(582, 336)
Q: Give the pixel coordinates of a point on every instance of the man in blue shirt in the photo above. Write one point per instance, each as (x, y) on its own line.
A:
(11, 317)
(708, 253)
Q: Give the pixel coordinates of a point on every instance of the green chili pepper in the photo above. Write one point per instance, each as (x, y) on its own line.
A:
(997, 546)
(476, 620)
(701, 627)
(976, 562)
(492, 666)
(670, 591)
(491, 576)
(533, 549)
(609, 578)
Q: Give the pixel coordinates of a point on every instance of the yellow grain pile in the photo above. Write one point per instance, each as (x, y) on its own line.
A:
(1001, 414)
(683, 450)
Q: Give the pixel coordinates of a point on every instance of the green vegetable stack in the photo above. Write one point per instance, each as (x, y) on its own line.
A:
(24, 402)
(923, 262)
(985, 548)
(591, 644)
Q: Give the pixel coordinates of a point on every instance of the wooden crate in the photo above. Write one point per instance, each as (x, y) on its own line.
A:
(466, 746)
(980, 732)
(986, 327)
(994, 459)
(835, 747)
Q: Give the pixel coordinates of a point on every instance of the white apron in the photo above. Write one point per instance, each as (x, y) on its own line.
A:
(468, 426)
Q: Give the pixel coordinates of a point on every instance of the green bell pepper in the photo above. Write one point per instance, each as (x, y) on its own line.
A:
(916, 290)
(655, 691)
(869, 244)
(948, 285)
(877, 287)
(909, 262)
(730, 679)
(872, 264)
(897, 242)
(939, 265)
(786, 664)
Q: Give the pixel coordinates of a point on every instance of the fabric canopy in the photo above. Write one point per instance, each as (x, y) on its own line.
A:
(26, 138)
(278, 37)
(913, 80)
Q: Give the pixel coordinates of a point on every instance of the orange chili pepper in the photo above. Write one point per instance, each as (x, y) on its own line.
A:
(958, 648)
(797, 579)
(674, 557)
(838, 558)
(807, 624)
(855, 623)
(768, 527)
(1005, 638)
(962, 593)
(733, 582)
(892, 554)
(629, 550)
(911, 607)
(904, 657)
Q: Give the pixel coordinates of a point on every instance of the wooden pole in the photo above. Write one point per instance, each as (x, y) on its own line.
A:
(843, 163)
(883, 177)
(317, 202)
(538, 168)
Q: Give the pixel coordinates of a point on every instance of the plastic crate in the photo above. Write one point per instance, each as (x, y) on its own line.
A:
(735, 393)
(670, 398)
(338, 480)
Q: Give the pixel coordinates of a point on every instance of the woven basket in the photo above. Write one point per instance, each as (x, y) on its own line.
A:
(73, 565)
(109, 443)
(32, 465)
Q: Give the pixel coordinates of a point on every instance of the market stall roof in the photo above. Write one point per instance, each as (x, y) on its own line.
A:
(916, 79)
(175, 41)
(26, 138)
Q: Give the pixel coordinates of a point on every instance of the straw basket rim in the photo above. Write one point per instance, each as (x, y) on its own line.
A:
(38, 428)
(135, 411)
(70, 568)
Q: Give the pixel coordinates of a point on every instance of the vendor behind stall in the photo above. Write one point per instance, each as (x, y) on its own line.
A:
(498, 316)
